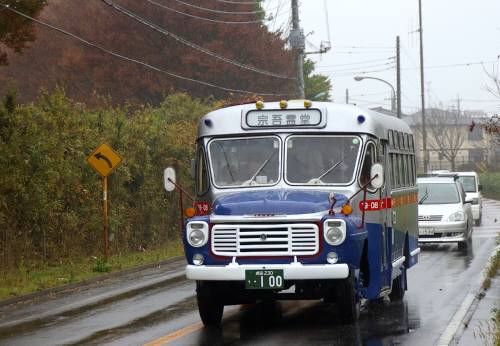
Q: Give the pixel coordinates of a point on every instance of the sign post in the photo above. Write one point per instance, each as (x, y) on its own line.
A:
(104, 160)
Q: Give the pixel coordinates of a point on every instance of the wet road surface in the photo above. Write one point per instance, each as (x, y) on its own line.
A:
(163, 310)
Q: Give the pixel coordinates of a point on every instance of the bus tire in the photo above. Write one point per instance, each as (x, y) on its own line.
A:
(398, 287)
(348, 301)
(210, 306)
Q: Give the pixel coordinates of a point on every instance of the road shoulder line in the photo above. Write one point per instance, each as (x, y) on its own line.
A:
(466, 308)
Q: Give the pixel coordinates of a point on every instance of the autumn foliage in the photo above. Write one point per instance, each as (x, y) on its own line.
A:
(54, 59)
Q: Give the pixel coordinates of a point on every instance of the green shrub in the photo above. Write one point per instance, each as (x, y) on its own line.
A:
(51, 200)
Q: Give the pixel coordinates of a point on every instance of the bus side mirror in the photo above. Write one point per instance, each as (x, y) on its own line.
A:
(169, 179)
(377, 175)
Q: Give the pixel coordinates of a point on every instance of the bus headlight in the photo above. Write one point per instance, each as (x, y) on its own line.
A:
(197, 233)
(334, 231)
(458, 216)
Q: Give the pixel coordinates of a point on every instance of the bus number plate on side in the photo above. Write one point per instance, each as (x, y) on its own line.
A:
(264, 279)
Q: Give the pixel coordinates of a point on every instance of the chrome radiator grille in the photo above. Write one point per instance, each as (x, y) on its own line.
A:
(430, 217)
(265, 240)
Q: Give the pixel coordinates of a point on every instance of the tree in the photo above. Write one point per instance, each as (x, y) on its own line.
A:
(55, 59)
(15, 31)
(448, 131)
(317, 87)
(492, 125)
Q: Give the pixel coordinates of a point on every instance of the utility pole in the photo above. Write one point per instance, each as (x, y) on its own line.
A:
(346, 96)
(422, 88)
(297, 41)
(398, 79)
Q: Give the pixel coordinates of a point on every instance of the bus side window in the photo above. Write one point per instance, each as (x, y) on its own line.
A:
(390, 176)
(201, 173)
(407, 169)
(370, 159)
(412, 170)
(395, 166)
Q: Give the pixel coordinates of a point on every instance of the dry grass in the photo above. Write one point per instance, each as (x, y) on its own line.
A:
(26, 280)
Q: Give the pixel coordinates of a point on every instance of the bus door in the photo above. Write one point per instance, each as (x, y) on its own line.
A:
(385, 194)
(378, 213)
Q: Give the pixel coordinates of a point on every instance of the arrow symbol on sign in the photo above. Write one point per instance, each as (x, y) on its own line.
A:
(100, 156)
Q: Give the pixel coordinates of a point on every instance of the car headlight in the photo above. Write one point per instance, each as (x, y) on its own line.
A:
(197, 233)
(334, 231)
(458, 216)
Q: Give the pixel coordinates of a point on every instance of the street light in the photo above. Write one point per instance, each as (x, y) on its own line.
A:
(393, 97)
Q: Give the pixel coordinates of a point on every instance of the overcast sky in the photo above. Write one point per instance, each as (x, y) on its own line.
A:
(455, 32)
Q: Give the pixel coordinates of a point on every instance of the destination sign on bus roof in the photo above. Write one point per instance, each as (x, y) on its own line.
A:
(284, 118)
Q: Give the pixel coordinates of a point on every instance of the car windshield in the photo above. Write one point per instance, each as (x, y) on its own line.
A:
(468, 182)
(245, 161)
(315, 160)
(438, 193)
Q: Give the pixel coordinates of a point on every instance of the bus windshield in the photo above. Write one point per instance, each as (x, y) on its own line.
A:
(318, 160)
(245, 161)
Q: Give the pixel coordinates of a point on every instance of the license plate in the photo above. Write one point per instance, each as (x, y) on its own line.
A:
(264, 279)
(426, 231)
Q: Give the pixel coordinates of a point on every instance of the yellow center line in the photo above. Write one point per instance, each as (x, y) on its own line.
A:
(180, 333)
(176, 335)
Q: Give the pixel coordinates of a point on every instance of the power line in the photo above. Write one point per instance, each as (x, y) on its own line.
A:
(239, 2)
(345, 74)
(218, 11)
(191, 44)
(203, 18)
(366, 47)
(123, 57)
(357, 68)
(455, 65)
(357, 63)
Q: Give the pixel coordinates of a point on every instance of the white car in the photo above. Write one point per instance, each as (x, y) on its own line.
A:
(470, 182)
(444, 211)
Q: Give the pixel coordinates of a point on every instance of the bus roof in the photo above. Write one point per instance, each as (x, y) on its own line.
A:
(339, 118)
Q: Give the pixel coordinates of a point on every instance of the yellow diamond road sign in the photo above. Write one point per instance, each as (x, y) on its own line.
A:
(104, 159)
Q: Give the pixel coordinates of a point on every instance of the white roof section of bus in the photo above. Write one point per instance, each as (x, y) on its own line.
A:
(340, 118)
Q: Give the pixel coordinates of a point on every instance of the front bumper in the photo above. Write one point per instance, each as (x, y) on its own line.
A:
(444, 232)
(292, 271)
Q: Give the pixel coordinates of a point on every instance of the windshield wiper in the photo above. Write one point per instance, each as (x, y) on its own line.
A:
(329, 170)
(262, 167)
(227, 162)
(424, 197)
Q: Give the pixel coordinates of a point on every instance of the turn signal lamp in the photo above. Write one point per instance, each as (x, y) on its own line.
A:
(190, 212)
(283, 104)
(307, 103)
(259, 105)
(347, 209)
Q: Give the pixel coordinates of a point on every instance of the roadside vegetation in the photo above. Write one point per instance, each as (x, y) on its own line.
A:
(51, 200)
(39, 276)
(491, 184)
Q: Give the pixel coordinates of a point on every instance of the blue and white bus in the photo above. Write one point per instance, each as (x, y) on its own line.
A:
(300, 200)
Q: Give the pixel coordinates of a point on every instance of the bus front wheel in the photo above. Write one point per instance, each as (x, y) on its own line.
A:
(348, 301)
(210, 306)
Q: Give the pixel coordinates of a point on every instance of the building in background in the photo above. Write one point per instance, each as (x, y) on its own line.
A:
(456, 140)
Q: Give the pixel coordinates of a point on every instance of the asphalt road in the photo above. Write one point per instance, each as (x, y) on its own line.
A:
(158, 307)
